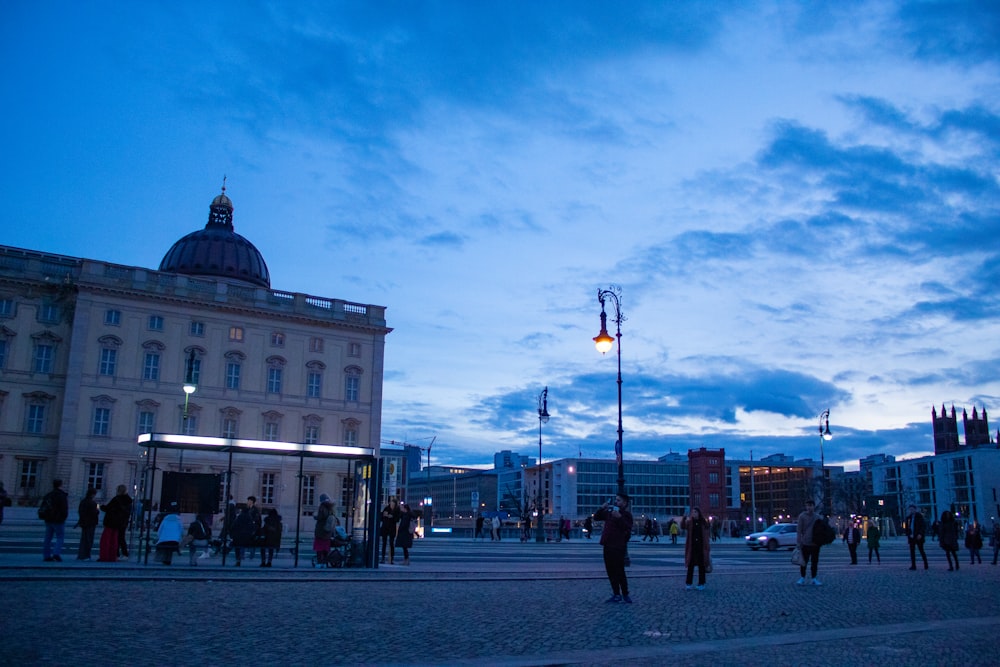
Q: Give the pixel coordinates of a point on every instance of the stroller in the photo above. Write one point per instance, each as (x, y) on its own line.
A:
(339, 554)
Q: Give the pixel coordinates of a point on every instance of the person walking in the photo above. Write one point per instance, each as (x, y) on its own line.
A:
(995, 540)
(948, 538)
(53, 511)
(614, 538)
(647, 529)
(495, 528)
(656, 530)
(915, 530)
(390, 517)
(404, 531)
(87, 519)
(117, 514)
(874, 535)
(974, 542)
(479, 528)
(697, 549)
(852, 536)
(804, 540)
(270, 537)
(588, 528)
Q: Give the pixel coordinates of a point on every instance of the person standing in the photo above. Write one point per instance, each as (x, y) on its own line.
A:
(479, 528)
(874, 535)
(804, 540)
(948, 538)
(326, 522)
(404, 531)
(614, 538)
(390, 518)
(88, 516)
(697, 548)
(271, 542)
(656, 530)
(495, 528)
(245, 530)
(916, 530)
(4, 501)
(852, 535)
(995, 540)
(588, 528)
(674, 531)
(974, 542)
(54, 510)
(117, 514)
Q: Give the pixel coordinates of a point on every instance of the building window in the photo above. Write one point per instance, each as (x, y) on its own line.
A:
(236, 334)
(29, 474)
(351, 437)
(151, 366)
(352, 385)
(277, 339)
(309, 490)
(713, 478)
(48, 313)
(268, 482)
(189, 424)
(233, 369)
(155, 323)
(713, 500)
(101, 424)
(6, 307)
(95, 475)
(271, 431)
(312, 434)
(147, 421)
(354, 350)
(34, 420)
(195, 365)
(274, 380)
(347, 493)
(3, 353)
(314, 384)
(229, 428)
(315, 344)
(197, 329)
(43, 357)
(109, 361)
(113, 317)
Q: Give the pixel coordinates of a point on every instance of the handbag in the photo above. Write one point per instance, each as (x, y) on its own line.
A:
(797, 557)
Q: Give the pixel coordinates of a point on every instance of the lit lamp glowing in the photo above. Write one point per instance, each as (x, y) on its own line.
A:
(824, 435)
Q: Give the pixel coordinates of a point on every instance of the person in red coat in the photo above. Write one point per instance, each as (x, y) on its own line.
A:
(697, 548)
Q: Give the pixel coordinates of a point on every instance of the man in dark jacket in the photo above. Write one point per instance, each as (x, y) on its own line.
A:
(617, 530)
(916, 530)
(852, 536)
(89, 516)
(54, 510)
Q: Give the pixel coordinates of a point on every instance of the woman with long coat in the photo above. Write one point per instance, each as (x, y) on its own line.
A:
(948, 538)
(117, 513)
(404, 535)
(270, 537)
(697, 548)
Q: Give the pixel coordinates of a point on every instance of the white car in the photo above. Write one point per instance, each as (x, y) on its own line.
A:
(775, 537)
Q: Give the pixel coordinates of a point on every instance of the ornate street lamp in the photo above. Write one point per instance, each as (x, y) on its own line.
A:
(604, 342)
(824, 435)
(543, 418)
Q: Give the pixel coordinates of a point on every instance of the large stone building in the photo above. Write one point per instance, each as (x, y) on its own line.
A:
(93, 353)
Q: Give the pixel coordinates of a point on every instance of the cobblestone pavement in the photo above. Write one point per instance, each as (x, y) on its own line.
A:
(863, 615)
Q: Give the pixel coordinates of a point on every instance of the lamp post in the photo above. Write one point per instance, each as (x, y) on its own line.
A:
(189, 388)
(604, 342)
(543, 418)
(824, 435)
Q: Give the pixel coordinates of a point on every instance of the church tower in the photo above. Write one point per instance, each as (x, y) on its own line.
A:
(977, 429)
(945, 431)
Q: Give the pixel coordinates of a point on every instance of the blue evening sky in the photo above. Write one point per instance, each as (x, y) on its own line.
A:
(800, 201)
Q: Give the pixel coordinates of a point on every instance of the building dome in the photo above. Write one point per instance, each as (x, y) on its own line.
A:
(217, 250)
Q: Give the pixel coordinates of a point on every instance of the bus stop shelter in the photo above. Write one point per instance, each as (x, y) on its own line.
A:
(361, 462)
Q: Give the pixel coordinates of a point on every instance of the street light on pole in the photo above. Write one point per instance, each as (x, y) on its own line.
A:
(604, 342)
(824, 435)
(189, 388)
(543, 418)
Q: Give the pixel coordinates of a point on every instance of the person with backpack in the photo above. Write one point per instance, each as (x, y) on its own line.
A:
(804, 539)
(199, 535)
(270, 537)
(53, 511)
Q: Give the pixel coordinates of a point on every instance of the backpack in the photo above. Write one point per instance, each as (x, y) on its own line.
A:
(198, 530)
(45, 509)
(823, 533)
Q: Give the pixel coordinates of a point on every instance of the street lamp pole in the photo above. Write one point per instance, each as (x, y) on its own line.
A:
(604, 342)
(189, 388)
(543, 418)
(824, 435)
